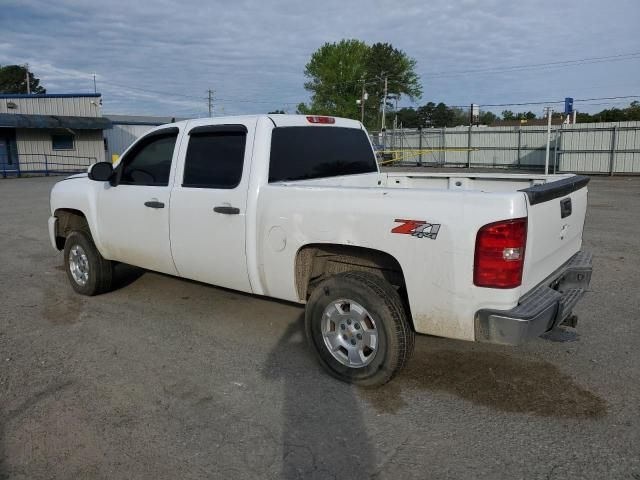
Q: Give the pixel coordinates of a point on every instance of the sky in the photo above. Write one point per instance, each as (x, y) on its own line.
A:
(161, 57)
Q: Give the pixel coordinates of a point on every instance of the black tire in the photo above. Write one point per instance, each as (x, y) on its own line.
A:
(385, 307)
(100, 276)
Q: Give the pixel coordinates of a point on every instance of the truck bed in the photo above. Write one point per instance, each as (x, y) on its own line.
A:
(485, 182)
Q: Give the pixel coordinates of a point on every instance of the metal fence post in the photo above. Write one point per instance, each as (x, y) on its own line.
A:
(444, 146)
(555, 148)
(560, 150)
(519, 144)
(420, 145)
(46, 165)
(614, 147)
(469, 148)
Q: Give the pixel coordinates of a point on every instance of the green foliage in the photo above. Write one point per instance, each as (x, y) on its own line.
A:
(337, 71)
(487, 118)
(630, 113)
(408, 118)
(13, 80)
(509, 115)
(276, 112)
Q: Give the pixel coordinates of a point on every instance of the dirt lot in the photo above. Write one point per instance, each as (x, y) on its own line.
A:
(165, 378)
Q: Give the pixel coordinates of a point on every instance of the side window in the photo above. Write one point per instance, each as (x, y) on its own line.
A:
(63, 141)
(149, 162)
(215, 157)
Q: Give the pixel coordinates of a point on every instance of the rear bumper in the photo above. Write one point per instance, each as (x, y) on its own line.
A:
(540, 310)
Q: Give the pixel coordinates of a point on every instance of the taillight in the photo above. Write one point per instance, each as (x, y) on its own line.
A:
(499, 254)
(319, 119)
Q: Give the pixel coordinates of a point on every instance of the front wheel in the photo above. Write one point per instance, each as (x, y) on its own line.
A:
(358, 327)
(89, 272)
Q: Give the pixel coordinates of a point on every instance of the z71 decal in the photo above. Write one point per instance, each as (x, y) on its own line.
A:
(417, 228)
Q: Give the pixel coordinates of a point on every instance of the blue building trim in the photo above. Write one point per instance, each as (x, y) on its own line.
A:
(50, 95)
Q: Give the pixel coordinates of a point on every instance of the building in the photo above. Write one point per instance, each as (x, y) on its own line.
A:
(50, 133)
(128, 128)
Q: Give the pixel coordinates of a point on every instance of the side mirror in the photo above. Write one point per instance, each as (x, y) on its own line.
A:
(101, 171)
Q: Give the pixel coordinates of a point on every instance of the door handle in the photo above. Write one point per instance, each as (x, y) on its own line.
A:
(154, 204)
(227, 210)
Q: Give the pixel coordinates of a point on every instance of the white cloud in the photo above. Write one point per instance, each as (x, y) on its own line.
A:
(251, 50)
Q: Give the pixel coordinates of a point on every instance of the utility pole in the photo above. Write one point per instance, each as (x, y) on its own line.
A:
(362, 99)
(95, 89)
(384, 103)
(549, 112)
(210, 102)
(26, 68)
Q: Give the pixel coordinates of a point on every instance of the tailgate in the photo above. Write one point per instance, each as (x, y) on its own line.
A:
(556, 213)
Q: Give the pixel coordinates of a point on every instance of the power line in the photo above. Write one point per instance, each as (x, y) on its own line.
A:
(548, 102)
(157, 92)
(174, 94)
(532, 66)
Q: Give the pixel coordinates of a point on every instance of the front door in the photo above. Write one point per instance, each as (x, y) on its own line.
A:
(7, 161)
(4, 156)
(134, 215)
(208, 204)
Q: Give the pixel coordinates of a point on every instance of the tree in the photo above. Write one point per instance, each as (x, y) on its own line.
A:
(487, 118)
(425, 114)
(385, 61)
(13, 80)
(508, 115)
(276, 112)
(408, 118)
(336, 73)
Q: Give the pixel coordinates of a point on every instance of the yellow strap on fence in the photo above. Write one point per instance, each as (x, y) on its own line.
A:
(399, 155)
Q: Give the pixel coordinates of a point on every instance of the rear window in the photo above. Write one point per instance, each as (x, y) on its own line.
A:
(301, 153)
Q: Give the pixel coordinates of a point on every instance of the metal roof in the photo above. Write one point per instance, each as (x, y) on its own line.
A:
(16, 120)
(141, 119)
(50, 95)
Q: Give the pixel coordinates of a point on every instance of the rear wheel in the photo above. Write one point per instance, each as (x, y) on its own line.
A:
(358, 327)
(89, 272)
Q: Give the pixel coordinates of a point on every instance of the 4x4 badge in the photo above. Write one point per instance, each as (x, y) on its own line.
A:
(417, 228)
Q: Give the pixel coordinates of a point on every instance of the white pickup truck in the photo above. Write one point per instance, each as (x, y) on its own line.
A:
(295, 208)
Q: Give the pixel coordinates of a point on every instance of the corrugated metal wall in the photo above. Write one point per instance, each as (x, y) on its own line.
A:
(589, 148)
(121, 136)
(35, 150)
(64, 106)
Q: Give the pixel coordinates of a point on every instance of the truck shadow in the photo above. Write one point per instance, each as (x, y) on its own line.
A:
(324, 434)
(124, 275)
(494, 380)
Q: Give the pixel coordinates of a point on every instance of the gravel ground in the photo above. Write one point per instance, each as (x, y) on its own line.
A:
(166, 378)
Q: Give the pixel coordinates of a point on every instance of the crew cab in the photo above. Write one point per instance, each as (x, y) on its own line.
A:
(295, 207)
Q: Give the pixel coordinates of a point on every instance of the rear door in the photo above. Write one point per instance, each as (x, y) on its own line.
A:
(209, 202)
(556, 214)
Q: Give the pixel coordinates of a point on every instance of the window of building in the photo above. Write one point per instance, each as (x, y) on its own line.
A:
(301, 153)
(62, 141)
(215, 157)
(149, 161)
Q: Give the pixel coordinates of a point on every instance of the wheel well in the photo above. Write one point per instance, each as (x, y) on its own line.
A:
(68, 221)
(316, 262)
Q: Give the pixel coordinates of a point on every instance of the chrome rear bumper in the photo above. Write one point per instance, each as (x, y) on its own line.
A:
(540, 310)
